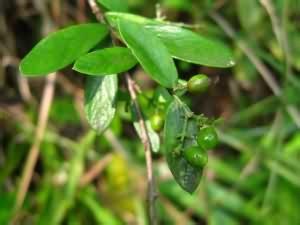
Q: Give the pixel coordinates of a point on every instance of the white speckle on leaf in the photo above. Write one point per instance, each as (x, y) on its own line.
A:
(231, 63)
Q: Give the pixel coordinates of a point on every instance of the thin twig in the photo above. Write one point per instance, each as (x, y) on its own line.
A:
(22, 82)
(24, 88)
(147, 147)
(151, 193)
(39, 134)
(274, 19)
(260, 66)
(9, 58)
(95, 170)
(96, 10)
(279, 31)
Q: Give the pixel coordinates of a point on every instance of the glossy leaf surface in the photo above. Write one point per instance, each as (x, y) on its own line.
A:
(105, 62)
(177, 124)
(150, 52)
(191, 47)
(100, 94)
(61, 48)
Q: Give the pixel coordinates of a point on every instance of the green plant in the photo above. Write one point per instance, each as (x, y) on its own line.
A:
(196, 156)
(207, 137)
(198, 83)
(157, 122)
(152, 44)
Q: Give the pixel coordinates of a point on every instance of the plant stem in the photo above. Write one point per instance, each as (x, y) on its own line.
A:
(147, 147)
(132, 88)
(39, 134)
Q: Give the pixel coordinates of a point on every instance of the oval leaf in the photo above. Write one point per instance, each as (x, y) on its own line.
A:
(61, 48)
(113, 18)
(187, 176)
(105, 62)
(115, 5)
(99, 106)
(191, 47)
(150, 52)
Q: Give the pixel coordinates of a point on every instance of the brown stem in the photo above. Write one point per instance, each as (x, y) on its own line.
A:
(39, 134)
(147, 147)
(96, 10)
(95, 170)
(151, 193)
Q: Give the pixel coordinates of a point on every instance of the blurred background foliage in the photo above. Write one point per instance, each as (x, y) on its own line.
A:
(253, 176)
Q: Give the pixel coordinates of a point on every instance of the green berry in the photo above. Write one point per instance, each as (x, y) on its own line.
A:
(207, 138)
(157, 122)
(198, 83)
(196, 156)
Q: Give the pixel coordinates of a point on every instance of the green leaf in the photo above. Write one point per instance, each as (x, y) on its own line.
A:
(182, 44)
(61, 48)
(113, 18)
(153, 136)
(105, 62)
(115, 5)
(188, 46)
(100, 94)
(150, 52)
(249, 19)
(162, 96)
(178, 124)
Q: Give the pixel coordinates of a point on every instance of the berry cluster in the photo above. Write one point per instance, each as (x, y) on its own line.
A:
(206, 139)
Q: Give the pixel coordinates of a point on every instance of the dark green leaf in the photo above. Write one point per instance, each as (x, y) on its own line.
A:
(105, 62)
(191, 47)
(115, 5)
(100, 94)
(153, 136)
(150, 52)
(187, 176)
(61, 48)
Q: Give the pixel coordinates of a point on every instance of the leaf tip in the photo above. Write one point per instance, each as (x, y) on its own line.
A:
(23, 70)
(231, 63)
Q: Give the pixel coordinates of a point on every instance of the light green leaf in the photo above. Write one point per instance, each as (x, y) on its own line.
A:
(179, 124)
(100, 94)
(115, 5)
(182, 44)
(153, 136)
(61, 48)
(188, 46)
(250, 14)
(113, 18)
(150, 52)
(105, 62)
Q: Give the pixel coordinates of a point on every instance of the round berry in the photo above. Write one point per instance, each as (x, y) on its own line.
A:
(198, 83)
(207, 138)
(196, 156)
(157, 122)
